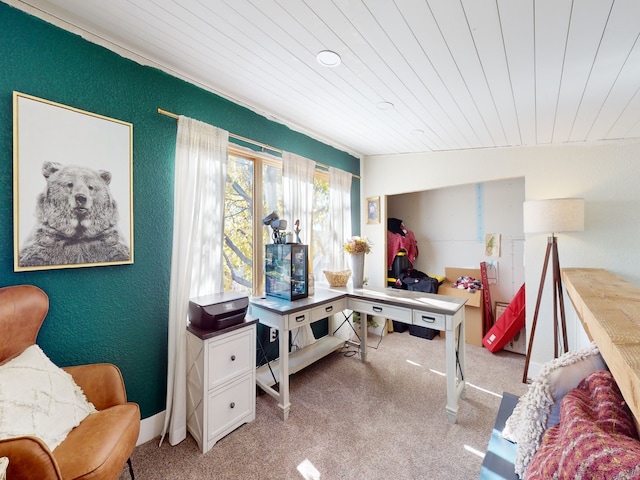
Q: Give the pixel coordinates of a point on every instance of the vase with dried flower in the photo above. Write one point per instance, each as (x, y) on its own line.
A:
(357, 247)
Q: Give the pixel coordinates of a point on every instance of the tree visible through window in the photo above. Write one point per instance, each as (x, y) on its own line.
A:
(320, 245)
(251, 176)
(238, 225)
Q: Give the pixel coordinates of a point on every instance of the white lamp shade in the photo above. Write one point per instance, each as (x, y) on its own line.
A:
(553, 215)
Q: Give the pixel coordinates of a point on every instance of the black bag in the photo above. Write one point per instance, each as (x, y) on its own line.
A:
(401, 264)
(425, 284)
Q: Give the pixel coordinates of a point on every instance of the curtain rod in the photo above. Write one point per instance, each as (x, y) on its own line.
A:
(232, 135)
(246, 140)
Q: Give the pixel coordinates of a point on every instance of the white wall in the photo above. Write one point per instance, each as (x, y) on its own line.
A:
(450, 225)
(607, 176)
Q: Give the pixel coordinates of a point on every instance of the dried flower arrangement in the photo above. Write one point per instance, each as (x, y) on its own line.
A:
(358, 245)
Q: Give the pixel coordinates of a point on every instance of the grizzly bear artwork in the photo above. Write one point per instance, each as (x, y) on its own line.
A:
(76, 220)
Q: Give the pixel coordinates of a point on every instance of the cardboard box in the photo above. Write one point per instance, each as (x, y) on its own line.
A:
(473, 309)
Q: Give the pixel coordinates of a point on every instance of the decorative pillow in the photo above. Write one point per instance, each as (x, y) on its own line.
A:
(4, 463)
(40, 399)
(530, 417)
(565, 378)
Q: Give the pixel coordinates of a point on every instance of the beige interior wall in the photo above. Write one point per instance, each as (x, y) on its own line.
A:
(450, 225)
(606, 175)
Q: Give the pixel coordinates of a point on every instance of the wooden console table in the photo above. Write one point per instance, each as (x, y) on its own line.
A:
(609, 309)
(439, 312)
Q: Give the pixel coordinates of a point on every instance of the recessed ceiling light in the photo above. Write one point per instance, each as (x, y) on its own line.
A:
(328, 58)
(385, 105)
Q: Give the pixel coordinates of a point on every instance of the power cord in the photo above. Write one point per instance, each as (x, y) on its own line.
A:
(348, 343)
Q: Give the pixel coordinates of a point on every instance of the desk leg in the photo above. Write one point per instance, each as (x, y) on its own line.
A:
(455, 356)
(283, 386)
(462, 358)
(452, 397)
(364, 327)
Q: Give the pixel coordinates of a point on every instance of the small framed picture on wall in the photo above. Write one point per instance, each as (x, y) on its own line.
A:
(373, 210)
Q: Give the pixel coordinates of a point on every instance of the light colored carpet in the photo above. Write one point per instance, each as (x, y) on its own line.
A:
(383, 419)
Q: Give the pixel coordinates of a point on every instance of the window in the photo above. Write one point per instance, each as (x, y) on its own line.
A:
(320, 245)
(238, 225)
(251, 175)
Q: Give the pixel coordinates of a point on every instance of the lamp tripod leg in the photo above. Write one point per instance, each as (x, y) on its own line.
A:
(558, 304)
(537, 310)
(557, 282)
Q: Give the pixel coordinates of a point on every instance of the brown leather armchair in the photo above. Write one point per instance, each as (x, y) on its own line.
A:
(100, 446)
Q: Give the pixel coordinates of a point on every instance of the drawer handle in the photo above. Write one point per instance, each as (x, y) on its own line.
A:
(233, 358)
(428, 319)
(232, 404)
(377, 309)
(328, 309)
(300, 318)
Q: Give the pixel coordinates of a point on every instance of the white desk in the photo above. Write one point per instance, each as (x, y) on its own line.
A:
(434, 311)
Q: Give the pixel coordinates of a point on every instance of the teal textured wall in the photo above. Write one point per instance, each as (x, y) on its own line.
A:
(118, 314)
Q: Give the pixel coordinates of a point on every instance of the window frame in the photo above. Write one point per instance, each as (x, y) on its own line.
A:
(260, 159)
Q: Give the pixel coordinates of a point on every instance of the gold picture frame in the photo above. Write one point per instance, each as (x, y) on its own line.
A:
(72, 187)
(500, 307)
(373, 210)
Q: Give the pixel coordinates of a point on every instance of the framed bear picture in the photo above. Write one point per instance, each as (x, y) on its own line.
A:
(72, 187)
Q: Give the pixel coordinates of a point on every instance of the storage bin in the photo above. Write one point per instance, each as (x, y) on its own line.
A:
(399, 326)
(423, 332)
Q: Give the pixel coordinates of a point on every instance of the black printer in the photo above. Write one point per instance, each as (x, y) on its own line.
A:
(218, 311)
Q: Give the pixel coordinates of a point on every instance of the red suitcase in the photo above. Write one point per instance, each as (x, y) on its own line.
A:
(508, 325)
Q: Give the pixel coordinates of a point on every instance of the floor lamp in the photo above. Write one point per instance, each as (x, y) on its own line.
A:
(554, 215)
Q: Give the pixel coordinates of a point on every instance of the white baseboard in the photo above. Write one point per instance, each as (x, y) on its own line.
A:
(150, 428)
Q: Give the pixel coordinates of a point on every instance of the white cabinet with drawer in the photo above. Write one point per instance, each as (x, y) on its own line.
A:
(221, 384)
(273, 377)
(432, 320)
(436, 312)
(304, 317)
(298, 319)
(400, 314)
(328, 309)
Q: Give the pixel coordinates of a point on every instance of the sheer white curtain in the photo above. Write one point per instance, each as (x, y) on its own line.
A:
(339, 215)
(297, 180)
(340, 221)
(196, 261)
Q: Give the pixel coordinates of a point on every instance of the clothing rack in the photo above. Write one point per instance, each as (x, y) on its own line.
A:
(264, 146)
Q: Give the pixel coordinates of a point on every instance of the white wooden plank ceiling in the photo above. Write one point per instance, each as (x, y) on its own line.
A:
(460, 74)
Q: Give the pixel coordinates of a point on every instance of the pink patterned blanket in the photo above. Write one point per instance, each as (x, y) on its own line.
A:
(595, 439)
